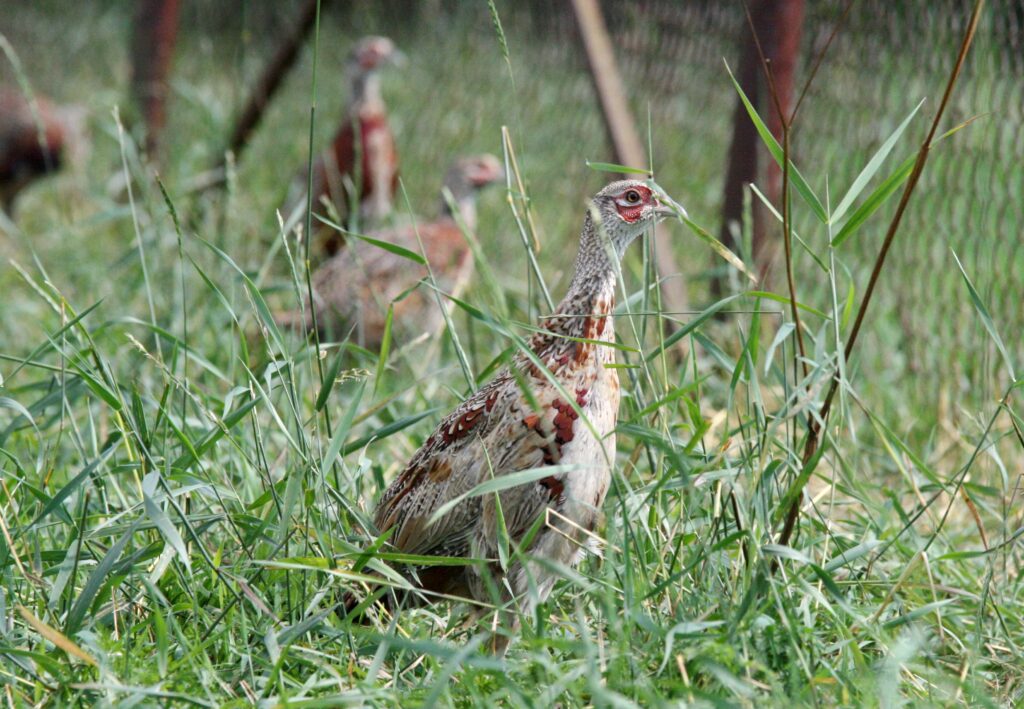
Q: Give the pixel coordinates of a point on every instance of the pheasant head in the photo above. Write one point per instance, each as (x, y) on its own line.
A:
(623, 211)
(617, 215)
(369, 55)
(467, 176)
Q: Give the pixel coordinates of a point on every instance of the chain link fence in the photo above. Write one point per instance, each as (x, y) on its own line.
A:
(885, 58)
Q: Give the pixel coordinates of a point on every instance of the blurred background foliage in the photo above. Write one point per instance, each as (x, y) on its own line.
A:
(457, 91)
(687, 559)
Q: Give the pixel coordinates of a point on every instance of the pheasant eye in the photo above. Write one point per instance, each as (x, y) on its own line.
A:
(632, 196)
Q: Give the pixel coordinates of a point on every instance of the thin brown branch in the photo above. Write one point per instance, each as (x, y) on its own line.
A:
(787, 227)
(787, 242)
(813, 435)
(820, 58)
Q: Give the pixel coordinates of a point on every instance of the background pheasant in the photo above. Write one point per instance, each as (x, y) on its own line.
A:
(568, 419)
(353, 288)
(31, 148)
(362, 155)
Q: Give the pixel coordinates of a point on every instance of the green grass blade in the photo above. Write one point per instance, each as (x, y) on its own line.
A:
(330, 379)
(696, 322)
(385, 349)
(503, 482)
(388, 430)
(718, 247)
(338, 440)
(776, 152)
(876, 199)
(96, 580)
(379, 243)
(617, 169)
(871, 168)
(986, 319)
(159, 518)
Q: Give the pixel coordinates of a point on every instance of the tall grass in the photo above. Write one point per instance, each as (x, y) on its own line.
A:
(185, 488)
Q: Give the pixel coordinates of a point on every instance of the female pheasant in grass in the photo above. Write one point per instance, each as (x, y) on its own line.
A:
(567, 418)
(362, 155)
(353, 289)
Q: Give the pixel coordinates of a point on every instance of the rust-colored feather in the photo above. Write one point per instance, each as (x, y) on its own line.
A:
(354, 289)
(567, 418)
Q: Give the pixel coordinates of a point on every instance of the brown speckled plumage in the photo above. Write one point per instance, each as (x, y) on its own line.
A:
(353, 288)
(498, 431)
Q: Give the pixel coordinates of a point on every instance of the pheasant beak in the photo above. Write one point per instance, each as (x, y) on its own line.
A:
(665, 206)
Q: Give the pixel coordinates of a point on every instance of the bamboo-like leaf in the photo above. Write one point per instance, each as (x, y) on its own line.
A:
(832, 587)
(9, 403)
(871, 168)
(776, 150)
(502, 533)
(767, 295)
(186, 459)
(426, 559)
(780, 336)
(385, 431)
(882, 193)
(57, 668)
(785, 552)
(917, 613)
(876, 199)
(57, 500)
(96, 386)
(852, 554)
(796, 235)
(338, 439)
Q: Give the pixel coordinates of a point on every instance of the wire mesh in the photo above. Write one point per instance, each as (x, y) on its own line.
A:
(885, 59)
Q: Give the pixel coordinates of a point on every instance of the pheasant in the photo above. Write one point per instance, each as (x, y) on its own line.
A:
(363, 136)
(567, 419)
(29, 148)
(352, 289)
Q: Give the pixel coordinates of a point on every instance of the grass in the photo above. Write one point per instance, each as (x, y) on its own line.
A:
(181, 496)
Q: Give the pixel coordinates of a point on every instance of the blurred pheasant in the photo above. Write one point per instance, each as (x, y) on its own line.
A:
(362, 155)
(33, 141)
(567, 418)
(352, 289)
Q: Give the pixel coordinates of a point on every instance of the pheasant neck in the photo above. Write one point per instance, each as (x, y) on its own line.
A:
(592, 290)
(465, 204)
(366, 89)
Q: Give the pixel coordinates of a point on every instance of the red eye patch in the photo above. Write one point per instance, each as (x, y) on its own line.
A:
(630, 214)
(630, 208)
